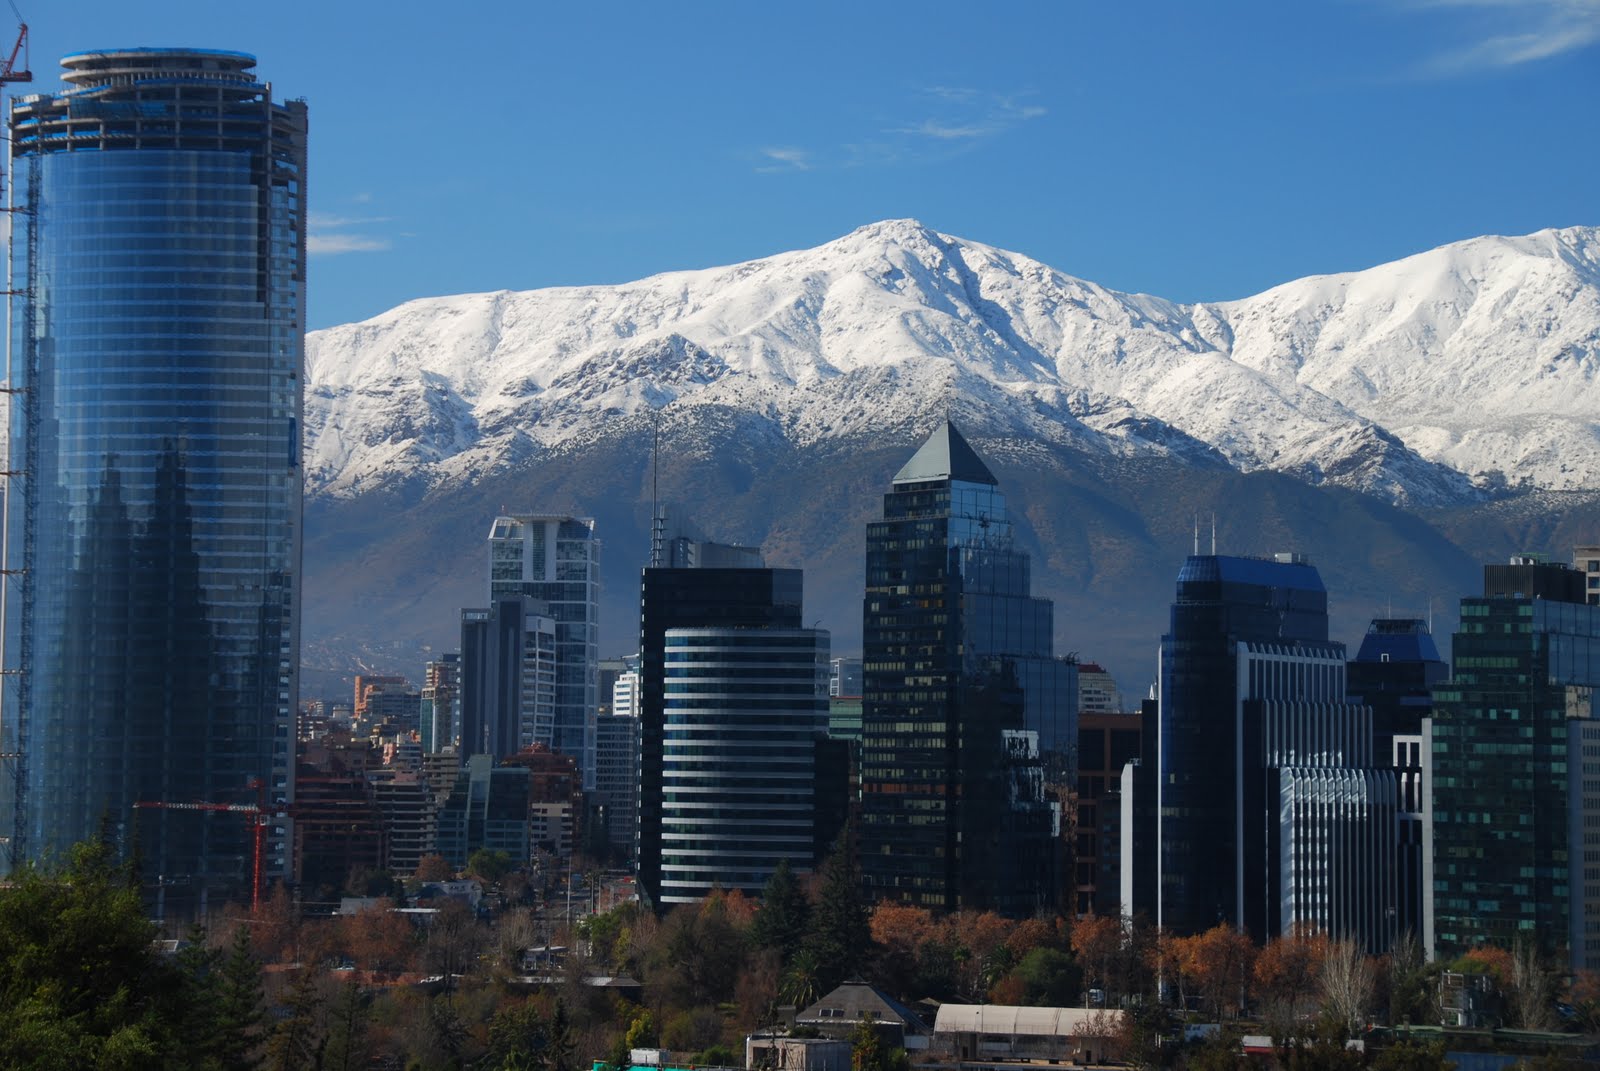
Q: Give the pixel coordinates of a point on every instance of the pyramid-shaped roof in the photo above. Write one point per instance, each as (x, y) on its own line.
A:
(945, 456)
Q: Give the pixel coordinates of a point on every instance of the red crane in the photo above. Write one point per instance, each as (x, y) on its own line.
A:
(8, 69)
(260, 818)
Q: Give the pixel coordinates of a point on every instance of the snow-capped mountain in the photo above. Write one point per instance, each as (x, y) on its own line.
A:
(1428, 380)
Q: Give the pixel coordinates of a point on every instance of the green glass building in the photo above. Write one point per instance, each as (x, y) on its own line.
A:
(1511, 819)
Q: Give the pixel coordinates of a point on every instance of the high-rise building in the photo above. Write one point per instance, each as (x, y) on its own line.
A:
(158, 257)
(1097, 690)
(441, 708)
(508, 677)
(616, 780)
(1512, 771)
(753, 598)
(1263, 806)
(1587, 561)
(1106, 743)
(745, 712)
(968, 720)
(555, 560)
(1394, 673)
(844, 678)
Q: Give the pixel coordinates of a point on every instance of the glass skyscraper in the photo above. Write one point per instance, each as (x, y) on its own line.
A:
(1512, 775)
(555, 561)
(968, 720)
(157, 344)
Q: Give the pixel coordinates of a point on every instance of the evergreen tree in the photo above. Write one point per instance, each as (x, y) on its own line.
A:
(297, 1043)
(562, 1050)
(839, 937)
(239, 1009)
(347, 1031)
(518, 1038)
(781, 920)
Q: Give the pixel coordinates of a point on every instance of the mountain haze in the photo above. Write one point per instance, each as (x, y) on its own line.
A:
(1399, 424)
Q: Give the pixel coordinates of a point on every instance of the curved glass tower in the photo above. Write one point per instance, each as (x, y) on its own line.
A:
(156, 350)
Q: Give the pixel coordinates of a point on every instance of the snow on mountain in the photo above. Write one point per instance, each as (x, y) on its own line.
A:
(1466, 367)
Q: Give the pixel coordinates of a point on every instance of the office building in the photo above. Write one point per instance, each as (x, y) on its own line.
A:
(485, 807)
(1106, 743)
(968, 720)
(616, 781)
(1097, 690)
(844, 678)
(158, 260)
(508, 677)
(1394, 674)
(1262, 806)
(687, 597)
(405, 806)
(555, 561)
(1512, 849)
(1587, 561)
(440, 713)
(745, 710)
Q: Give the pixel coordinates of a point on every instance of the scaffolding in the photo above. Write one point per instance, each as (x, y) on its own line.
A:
(13, 673)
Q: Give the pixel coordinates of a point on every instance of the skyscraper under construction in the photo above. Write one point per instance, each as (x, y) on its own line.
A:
(157, 345)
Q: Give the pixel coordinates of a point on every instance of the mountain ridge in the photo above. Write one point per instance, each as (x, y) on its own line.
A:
(1355, 379)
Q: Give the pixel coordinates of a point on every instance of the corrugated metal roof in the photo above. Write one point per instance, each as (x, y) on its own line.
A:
(1013, 1019)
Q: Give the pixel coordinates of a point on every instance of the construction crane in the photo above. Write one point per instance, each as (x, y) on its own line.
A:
(15, 773)
(8, 70)
(260, 817)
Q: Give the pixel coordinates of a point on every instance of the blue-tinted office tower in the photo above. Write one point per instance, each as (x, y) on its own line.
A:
(1262, 806)
(157, 347)
(968, 721)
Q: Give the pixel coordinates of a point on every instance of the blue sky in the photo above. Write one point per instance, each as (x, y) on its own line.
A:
(1192, 150)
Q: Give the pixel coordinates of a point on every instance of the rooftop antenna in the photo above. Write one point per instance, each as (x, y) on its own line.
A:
(1430, 615)
(1197, 534)
(1213, 533)
(655, 487)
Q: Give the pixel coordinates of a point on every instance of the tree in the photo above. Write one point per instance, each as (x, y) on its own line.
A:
(780, 921)
(489, 866)
(1408, 1055)
(1050, 978)
(1532, 990)
(1347, 982)
(1413, 998)
(434, 867)
(240, 1013)
(297, 1042)
(79, 982)
(1097, 939)
(840, 935)
(347, 1047)
(1287, 973)
(518, 1037)
(1221, 962)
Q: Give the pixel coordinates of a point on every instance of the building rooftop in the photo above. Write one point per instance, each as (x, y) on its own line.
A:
(1264, 572)
(945, 456)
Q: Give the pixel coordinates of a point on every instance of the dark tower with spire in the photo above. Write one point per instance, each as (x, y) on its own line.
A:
(968, 720)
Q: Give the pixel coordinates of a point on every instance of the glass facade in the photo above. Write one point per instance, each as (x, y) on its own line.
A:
(968, 721)
(1221, 601)
(556, 561)
(1507, 795)
(672, 598)
(158, 342)
(744, 709)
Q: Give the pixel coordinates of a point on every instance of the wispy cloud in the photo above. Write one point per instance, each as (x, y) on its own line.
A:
(1511, 33)
(948, 119)
(330, 234)
(785, 159)
(965, 113)
(328, 245)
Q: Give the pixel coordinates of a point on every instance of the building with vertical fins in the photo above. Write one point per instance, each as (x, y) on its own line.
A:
(157, 349)
(1511, 779)
(1257, 802)
(968, 721)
